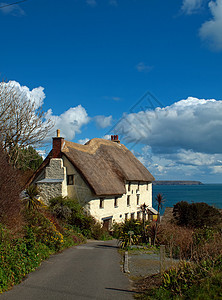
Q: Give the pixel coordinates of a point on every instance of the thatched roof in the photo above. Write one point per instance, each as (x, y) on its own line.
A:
(106, 165)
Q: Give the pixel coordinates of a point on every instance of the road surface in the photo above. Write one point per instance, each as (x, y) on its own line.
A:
(90, 271)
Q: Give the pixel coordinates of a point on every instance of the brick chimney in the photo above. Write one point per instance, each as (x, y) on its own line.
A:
(115, 138)
(57, 145)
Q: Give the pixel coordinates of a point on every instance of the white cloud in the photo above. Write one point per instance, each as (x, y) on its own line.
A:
(142, 67)
(92, 3)
(191, 6)
(69, 122)
(217, 169)
(210, 31)
(102, 121)
(191, 124)
(83, 141)
(181, 165)
(14, 10)
(35, 95)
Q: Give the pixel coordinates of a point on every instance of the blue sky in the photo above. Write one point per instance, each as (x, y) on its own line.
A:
(90, 62)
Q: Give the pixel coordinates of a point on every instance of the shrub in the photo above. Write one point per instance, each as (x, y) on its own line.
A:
(196, 215)
(72, 213)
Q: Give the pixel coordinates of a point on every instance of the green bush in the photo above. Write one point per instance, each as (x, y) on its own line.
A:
(196, 215)
(120, 231)
(69, 211)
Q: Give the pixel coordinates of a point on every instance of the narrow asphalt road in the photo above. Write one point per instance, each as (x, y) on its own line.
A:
(90, 271)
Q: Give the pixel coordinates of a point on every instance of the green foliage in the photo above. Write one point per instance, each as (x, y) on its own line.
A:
(180, 280)
(72, 213)
(28, 159)
(31, 200)
(121, 232)
(41, 237)
(196, 215)
(44, 230)
(189, 281)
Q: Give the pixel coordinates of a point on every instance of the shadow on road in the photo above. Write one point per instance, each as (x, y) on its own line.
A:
(106, 246)
(121, 290)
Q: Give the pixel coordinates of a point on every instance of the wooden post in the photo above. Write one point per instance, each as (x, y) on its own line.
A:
(162, 259)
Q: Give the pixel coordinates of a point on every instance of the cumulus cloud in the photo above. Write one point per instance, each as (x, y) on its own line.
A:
(69, 122)
(210, 31)
(102, 121)
(184, 164)
(14, 10)
(142, 67)
(35, 95)
(191, 6)
(191, 124)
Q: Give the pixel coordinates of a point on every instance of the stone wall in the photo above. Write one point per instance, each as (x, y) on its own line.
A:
(54, 183)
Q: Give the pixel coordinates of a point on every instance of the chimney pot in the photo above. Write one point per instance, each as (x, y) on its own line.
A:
(58, 132)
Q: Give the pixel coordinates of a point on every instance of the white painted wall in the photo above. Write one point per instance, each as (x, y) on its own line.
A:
(80, 190)
(118, 212)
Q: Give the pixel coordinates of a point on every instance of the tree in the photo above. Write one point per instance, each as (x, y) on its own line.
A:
(196, 215)
(29, 159)
(22, 121)
(10, 204)
(160, 201)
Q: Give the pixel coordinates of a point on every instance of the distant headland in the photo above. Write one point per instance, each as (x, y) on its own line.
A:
(176, 182)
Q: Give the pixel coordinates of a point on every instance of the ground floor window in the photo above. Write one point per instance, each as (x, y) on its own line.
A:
(126, 217)
(132, 216)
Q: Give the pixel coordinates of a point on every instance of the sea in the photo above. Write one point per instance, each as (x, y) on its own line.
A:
(208, 193)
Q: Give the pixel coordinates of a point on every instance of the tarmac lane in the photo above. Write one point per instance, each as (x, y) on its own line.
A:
(88, 271)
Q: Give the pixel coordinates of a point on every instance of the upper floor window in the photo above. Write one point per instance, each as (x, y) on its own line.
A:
(129, 185)
(101, 203)
(116, 202)
(138, 187)
(70, 179)
(128, 200)
(138, 200)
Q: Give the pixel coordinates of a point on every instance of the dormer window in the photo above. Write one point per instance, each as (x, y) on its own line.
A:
(70, 179)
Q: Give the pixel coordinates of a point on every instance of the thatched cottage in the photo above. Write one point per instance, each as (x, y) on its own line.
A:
(102, 174)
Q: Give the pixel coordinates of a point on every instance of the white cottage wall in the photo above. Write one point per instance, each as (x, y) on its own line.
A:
(122, 210)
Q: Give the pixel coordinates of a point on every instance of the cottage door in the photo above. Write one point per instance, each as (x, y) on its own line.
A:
(107, 224)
